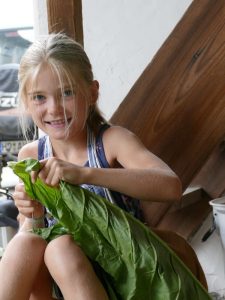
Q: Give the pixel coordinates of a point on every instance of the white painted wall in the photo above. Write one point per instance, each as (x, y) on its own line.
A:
(40, 17)
(121, 37)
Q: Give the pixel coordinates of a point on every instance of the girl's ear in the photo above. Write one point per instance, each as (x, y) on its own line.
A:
(94, 91)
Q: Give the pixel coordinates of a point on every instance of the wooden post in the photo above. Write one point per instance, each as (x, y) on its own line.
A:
(66, 16)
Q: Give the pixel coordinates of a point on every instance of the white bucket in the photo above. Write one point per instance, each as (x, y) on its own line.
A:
(219, 217)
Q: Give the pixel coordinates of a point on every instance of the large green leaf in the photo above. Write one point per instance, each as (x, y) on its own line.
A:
(137, 264)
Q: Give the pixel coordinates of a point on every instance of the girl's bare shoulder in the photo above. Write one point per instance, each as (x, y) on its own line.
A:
(29, 150)
(117, 140)
(116, 131)
(117, 135)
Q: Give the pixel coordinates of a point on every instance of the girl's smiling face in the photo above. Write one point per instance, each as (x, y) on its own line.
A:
(55, 106)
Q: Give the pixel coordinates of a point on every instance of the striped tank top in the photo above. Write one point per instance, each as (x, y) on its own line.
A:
(96, 159)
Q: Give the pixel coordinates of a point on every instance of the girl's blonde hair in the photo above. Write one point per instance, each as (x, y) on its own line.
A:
(67, 59)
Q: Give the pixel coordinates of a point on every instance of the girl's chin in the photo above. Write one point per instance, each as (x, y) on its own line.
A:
(60, 132)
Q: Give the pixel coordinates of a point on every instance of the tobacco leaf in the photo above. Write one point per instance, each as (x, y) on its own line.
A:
(135, 263)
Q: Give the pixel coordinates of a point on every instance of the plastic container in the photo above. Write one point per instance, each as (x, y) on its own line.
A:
(218, 206)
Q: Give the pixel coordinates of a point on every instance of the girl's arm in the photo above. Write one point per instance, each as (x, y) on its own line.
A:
(133, 170)
(144, 176)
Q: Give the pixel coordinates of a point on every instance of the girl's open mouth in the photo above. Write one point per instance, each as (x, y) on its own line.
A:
(59, 123)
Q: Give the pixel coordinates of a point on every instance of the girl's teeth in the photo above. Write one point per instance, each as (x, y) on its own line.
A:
(58, 122)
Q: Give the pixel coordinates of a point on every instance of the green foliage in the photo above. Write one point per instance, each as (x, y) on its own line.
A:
(135, 263)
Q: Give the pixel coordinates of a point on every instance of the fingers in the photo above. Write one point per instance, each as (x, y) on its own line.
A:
(35, 174)
(51, 171)
(26, 206)
(19, 187)
(47, 172)
(30, 208)
(20, 192)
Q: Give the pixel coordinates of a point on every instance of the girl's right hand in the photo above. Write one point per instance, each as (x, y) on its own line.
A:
(27, 207)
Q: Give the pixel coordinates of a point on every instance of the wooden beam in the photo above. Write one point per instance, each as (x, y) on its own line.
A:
(177, 106)
(66, 16)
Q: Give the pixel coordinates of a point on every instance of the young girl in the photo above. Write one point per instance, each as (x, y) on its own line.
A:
(56, 87)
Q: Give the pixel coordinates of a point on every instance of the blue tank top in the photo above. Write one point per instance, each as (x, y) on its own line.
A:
(96, 159)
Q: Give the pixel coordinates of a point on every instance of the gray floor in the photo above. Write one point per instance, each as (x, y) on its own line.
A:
(212, 258)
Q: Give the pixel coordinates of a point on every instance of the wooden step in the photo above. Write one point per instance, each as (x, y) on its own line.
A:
(187, 219)
(191, 195)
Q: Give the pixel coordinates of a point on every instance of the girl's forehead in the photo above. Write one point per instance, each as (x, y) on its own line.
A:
(46, 75)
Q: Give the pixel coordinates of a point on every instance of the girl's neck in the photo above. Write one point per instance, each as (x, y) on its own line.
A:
(73, 149)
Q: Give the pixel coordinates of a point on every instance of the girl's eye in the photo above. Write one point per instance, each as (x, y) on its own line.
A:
(38, 98)
(68, 93)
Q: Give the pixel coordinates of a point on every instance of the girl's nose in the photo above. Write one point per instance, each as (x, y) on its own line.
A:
(54, 105)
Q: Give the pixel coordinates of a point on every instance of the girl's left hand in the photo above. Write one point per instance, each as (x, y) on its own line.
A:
(53, 170)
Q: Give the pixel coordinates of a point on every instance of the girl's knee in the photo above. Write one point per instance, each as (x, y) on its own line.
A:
(61, 245)
(23, 249)
(26, 241)
(64, 257)
(30, 238)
